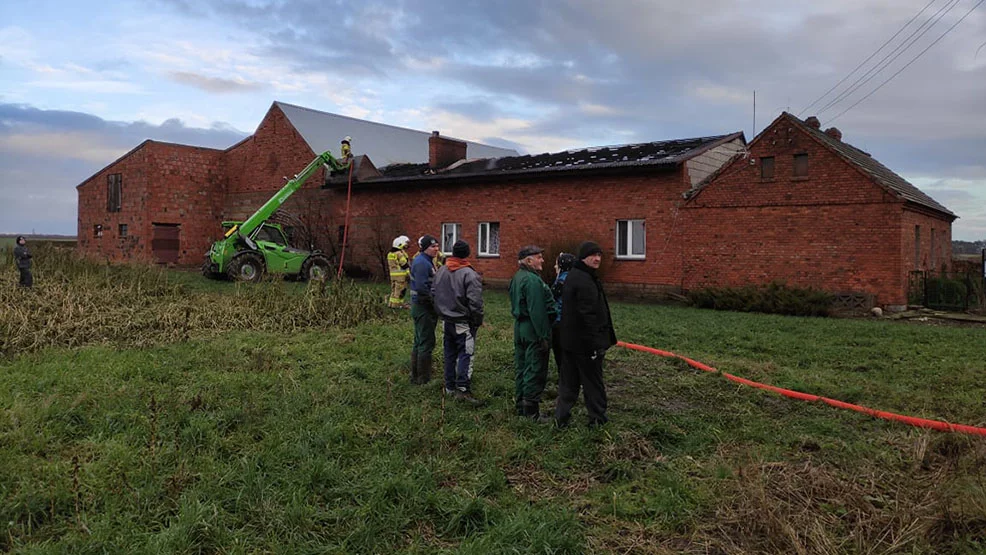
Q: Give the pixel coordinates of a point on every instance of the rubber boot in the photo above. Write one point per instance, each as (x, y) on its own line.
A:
(424, 368)
(414, 367)
(532, 410)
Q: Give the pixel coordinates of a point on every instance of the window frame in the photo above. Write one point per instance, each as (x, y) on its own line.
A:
(484, 250)
(456, 235)
(630, 255)
(122, 230)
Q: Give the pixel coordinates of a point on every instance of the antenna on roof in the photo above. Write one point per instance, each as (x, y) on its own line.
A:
(754, 135)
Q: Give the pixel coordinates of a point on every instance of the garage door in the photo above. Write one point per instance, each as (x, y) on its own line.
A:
(166, 243)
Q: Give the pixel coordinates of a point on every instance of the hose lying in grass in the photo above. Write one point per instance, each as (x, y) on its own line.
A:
(909, 420)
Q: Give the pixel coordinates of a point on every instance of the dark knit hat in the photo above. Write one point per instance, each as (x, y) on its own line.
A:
(460, 249)
(588, 249)
(565, 261)
(529, 250)
(426, 241)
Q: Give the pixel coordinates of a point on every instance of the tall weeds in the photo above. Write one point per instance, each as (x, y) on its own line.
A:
(79, 302)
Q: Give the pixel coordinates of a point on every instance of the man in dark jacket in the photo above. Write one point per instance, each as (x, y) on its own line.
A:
(586, 334)
(22, 257)
(423, 310)
(533, 310)
(458, 294)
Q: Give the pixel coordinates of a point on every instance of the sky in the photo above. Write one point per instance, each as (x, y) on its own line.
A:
(83, 82)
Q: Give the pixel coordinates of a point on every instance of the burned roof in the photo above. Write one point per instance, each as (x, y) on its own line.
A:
(881, 174)
(658, 153)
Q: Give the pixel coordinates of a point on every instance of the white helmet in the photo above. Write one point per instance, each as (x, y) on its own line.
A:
(401, 242)
(347, 139)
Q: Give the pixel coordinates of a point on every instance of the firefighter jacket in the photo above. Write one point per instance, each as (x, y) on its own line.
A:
(399, 264)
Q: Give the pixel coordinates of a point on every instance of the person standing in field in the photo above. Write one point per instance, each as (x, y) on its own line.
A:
(22, 258)
(423, 310)
(562, 265)
(586, 333)
(458, 295)
(533, 310)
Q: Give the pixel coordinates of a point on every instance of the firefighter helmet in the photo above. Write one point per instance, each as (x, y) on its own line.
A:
(401, 242)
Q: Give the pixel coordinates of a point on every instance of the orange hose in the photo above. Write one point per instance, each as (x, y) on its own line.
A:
(909, 420)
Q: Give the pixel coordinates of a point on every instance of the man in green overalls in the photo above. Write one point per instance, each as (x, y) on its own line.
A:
(533, 309)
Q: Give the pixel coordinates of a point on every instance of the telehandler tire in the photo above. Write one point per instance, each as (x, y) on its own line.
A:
(316, 268)
(247, 266)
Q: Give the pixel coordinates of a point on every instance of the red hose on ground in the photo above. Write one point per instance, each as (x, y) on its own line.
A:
(909, 420)
(345, 227)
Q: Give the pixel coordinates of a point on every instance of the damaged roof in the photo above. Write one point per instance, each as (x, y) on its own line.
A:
(881, 174)
(658, 153)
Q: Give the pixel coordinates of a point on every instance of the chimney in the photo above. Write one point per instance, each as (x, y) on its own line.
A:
(443, 152)
(834, 133)
(813, 122)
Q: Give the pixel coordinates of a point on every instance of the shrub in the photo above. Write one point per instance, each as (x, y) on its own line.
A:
(774, 298)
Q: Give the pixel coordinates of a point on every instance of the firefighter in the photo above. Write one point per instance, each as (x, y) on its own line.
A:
(346, 150)
(399, 264)
(439, 260)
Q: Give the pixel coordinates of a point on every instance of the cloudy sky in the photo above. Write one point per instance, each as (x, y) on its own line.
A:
(84, 81)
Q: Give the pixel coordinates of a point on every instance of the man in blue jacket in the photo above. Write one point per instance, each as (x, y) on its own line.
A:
(423, 310)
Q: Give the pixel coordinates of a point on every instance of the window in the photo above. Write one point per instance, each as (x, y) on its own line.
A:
(917, 247)
(269, 234)
(630, 239)
(800, 165)
(97, 231)
(767, 167)
(450, 234)
(489, 239)
(123, 230)
(114, 192)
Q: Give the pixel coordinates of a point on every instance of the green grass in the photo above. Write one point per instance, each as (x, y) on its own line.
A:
(314, 442)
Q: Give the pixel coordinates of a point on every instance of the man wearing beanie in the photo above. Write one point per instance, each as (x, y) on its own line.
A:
(458, 295)
(586, 334)
(533, 309)
(423, 310)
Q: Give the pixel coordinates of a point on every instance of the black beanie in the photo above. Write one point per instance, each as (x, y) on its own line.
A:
(460, 249)
(426, 241)
(588, 249)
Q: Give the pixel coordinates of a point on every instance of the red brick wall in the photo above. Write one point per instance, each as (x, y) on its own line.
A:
(835, 230)
(932, 229)
(546, 212)
(162, 183)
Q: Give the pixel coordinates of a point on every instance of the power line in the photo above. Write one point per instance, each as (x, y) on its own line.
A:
(890, 58)
(947, 31)
(875, 52)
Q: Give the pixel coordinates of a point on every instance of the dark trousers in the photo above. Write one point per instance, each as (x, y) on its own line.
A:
(425, 321)
(460, 345)
(580, 370)
(27, 279)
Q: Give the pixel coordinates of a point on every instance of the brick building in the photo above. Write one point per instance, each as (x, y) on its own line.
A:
(797, 204)
(165, 202)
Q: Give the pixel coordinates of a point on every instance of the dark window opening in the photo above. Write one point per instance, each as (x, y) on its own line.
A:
(114, 192)
(800, 165)
(97, 231)
(767, 167)
(123, 230)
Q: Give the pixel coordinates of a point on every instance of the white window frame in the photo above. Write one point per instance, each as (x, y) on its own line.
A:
(484, 250)
(456, 235)
(630, 255)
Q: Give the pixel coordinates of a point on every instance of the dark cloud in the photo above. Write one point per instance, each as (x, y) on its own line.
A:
(213, 84)
(44, 154)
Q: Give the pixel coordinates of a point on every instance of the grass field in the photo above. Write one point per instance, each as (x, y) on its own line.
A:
(213, 432)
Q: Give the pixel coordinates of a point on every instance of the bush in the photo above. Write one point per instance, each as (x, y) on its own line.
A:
(774, 298)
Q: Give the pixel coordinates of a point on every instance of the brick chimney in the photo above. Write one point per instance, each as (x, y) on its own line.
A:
(443, 152)
(813, 122)
(834, 133)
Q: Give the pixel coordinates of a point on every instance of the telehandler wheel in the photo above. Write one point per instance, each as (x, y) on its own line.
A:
(316, 268)
(246, 267)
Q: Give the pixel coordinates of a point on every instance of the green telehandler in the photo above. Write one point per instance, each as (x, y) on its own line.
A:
(256, 246)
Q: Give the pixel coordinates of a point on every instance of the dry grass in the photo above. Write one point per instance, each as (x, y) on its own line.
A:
(79, 302)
